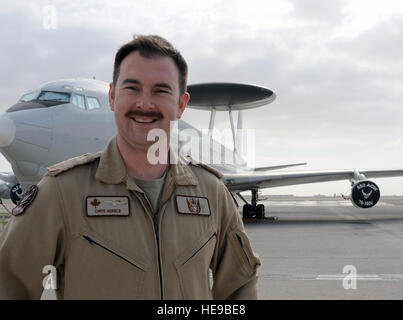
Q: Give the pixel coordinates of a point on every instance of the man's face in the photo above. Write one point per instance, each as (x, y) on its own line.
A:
(146, 97)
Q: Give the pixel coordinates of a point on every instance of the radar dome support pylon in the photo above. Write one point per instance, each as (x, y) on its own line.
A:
(223, 96)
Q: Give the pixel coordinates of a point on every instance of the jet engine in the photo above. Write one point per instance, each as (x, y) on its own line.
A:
(15, 193)
(9, 187)
(365, 194)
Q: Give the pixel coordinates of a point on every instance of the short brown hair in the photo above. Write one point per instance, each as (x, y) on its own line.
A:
(151, 46)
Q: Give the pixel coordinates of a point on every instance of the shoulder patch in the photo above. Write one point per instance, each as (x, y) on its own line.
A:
(26, 199)
(71, 163)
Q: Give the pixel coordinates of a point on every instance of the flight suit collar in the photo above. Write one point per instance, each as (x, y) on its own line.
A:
(112, 169)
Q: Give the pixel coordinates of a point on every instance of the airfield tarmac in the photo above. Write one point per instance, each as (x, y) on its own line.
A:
(304, 251)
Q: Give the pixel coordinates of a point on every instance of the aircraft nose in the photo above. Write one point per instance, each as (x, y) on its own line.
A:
(7, 131)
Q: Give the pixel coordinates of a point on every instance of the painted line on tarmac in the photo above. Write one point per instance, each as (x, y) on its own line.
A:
(309, 203)
(333, 277)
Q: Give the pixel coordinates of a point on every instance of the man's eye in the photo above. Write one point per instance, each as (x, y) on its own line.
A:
(132, 88)
(161, 91)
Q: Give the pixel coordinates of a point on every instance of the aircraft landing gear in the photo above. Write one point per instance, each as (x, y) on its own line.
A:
(250, 211)
(260, 211)
(253, 210)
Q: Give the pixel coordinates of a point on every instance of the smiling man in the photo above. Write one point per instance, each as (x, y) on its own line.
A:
(113, 225)
(148, 92)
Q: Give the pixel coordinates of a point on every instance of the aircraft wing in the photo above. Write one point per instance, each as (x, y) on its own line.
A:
(241, 182)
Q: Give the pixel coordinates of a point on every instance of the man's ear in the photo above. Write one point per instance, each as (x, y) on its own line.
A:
(183, 101)
(111, 95)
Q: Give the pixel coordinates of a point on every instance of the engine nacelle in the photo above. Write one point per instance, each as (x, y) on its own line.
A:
(365, 194)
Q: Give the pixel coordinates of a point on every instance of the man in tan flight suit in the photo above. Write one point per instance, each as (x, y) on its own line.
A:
(113, 225)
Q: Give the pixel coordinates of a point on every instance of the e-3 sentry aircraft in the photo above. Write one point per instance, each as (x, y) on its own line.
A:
(66, 118)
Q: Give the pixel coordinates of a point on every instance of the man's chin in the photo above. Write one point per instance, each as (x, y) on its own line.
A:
(141, 144)
(135, 142)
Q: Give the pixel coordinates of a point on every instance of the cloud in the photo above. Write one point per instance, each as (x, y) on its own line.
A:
(318, 12)
(336, 66)
(34, 55)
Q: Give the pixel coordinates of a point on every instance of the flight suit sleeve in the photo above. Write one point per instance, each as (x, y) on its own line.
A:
(32, 240)
(234, 263)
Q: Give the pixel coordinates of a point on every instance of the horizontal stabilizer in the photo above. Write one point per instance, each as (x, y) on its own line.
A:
(279, 167)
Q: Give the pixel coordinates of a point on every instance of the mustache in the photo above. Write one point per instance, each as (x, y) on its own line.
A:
(151, 114)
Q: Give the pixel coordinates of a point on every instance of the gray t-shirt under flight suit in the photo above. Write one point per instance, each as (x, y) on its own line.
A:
(152, 189)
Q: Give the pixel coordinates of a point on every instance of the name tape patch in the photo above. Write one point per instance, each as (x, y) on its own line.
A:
(108, 206)
(193, 205)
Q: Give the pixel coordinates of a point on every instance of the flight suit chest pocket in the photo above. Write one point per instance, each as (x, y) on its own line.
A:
(98, 270)
(193, 267)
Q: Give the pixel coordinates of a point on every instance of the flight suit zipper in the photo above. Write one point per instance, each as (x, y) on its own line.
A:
(147, 207)
(155, 218)
(156, 228)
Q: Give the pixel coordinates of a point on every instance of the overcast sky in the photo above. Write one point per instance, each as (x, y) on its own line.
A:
(336, 67)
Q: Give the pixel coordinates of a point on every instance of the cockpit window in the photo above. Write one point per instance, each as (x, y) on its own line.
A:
(93, 103)
(45, 99)
(79, 101)
(29, 96)
(54, 96)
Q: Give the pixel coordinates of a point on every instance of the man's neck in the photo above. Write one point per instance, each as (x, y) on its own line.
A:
(137, 163)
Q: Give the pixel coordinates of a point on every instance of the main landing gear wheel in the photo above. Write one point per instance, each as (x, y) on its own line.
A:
(260, 211)
(250, 211)
(253, 210)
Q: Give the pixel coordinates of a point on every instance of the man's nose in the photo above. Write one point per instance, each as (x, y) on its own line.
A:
(145, 102)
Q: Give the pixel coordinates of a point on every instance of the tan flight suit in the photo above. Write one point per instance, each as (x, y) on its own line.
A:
(130, 256)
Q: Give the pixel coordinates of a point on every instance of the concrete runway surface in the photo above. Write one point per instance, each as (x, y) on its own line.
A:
(305, 251)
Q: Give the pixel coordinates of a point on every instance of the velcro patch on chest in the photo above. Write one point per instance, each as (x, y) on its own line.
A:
(193, 205)
(108, 206)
